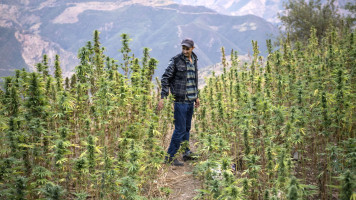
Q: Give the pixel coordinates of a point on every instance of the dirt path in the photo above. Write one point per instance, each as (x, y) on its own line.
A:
(182, 182)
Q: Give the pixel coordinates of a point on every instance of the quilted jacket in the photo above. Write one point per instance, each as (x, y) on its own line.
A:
(175, 77)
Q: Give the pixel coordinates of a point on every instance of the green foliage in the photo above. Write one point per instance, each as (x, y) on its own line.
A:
(125, 50)
(293, 189)
(91, 133)
(44, 64)
(81, 195)
(301, 16)
(52, 191)
(91, 153)
(20, 185)
(348, 185)
(58, 74)
(260, 125)
(351, 18)
(284, 117)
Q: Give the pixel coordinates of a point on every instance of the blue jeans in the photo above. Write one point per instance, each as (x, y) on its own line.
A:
(183, 113)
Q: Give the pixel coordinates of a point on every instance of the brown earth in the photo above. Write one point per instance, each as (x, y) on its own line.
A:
(180, 180)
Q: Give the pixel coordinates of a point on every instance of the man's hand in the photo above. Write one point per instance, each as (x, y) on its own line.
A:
(197, 103)
(160, 105)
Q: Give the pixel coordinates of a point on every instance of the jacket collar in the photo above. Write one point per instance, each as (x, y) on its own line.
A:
(193, 54)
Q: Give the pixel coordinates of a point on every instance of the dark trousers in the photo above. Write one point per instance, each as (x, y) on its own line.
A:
(183, 113)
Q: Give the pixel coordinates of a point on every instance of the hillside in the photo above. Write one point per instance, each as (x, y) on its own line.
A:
(217, 69)
(10, 53)
(63, 26)
(266, 9)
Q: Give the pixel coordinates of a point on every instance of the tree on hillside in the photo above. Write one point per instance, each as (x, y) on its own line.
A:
(301, 15)
(351, 18)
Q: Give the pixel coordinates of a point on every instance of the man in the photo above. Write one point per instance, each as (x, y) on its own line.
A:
(181, 78)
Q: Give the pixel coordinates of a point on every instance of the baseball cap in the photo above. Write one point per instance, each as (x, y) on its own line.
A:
(188, 42)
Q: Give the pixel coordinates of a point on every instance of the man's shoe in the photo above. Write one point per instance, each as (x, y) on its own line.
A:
(175, 162)
(189, 156)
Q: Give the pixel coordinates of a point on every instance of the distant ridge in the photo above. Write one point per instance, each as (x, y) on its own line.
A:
(62, 27)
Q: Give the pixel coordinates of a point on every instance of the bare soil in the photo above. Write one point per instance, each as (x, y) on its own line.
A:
(180, 179)
(182, 182)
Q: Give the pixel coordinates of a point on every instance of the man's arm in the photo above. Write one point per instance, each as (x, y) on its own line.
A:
(165, 82)
(166, 79)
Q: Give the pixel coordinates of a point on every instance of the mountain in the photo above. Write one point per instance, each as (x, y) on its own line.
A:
(267, 9)
(29, 29)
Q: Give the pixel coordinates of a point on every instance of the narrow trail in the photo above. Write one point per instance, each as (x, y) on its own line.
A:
(182, 182)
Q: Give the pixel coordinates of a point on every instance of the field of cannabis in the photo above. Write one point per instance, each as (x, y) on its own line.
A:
(282, 127)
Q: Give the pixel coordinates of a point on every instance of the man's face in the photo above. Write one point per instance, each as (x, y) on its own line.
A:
(187, 51)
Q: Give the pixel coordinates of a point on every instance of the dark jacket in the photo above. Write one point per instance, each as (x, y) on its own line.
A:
(175, 77)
